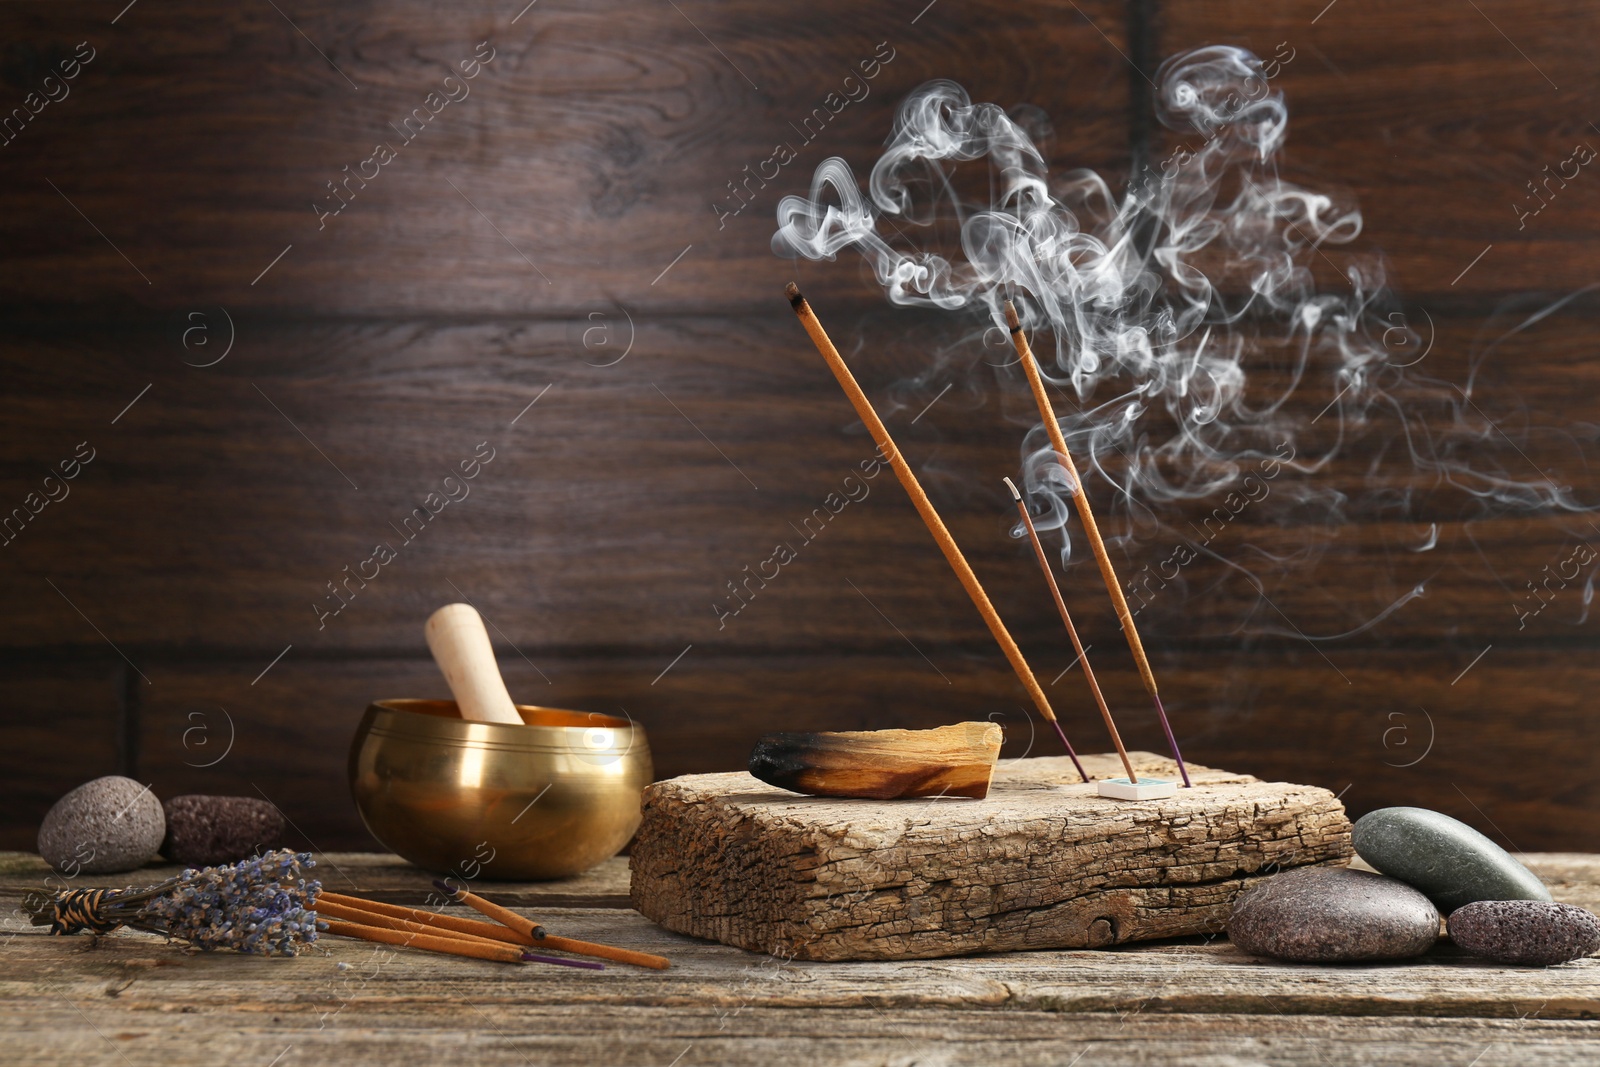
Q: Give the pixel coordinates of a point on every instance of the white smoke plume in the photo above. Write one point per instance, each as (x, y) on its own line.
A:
(1182, 314)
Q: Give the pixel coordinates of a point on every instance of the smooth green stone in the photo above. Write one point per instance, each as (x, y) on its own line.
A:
(1445, 858)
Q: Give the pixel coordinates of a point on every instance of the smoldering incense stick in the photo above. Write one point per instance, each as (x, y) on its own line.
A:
(930, 517)
(1080, 496)
(1072, 631)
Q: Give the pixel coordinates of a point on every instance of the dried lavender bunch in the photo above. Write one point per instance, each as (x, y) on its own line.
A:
(261, 905)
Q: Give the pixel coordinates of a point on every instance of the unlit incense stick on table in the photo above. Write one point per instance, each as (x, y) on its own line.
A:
(1080, 496)
(534, 934)
(930, 517)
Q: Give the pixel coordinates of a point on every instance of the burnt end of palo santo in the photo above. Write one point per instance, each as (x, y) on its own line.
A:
(951, 761)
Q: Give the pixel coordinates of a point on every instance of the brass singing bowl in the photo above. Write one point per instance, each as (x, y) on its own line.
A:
(492, 801)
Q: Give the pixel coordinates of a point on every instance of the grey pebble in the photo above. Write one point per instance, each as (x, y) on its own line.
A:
(1528, 933)
(1333, 915)
(206, 830)
(106, 825)
(1444, 857)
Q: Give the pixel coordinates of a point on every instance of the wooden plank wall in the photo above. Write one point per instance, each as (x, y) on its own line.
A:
(552, 240)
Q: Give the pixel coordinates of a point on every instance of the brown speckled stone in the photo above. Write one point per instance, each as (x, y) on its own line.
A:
(1528, 933)
(202, 830)
(106, 825)
(1333, 915)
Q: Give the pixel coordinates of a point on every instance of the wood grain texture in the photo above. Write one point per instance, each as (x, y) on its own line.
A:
(595, 144)
(381, 876)
(132, 999)
(62, 724)
(1042, 862)
(620, 505)
(1434, 118)
(385, 345)
(1404, 726)
(385, 1033)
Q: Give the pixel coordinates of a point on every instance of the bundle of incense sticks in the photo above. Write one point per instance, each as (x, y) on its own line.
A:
(529, 932)
(506, 940)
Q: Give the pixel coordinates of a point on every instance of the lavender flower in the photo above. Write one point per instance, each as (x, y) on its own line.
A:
(261, 905)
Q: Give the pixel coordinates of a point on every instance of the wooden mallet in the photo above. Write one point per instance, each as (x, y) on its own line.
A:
(460, 646)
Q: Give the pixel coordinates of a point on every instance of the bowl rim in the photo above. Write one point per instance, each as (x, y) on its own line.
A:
(535, 716)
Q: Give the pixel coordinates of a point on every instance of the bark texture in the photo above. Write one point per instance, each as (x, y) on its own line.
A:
(1042, 862)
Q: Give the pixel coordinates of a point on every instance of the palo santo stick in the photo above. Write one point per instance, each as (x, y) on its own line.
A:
(930, 517)
(1072, 631)
(442, 924)
(950, 761)
(1080, 496)
(529, 928)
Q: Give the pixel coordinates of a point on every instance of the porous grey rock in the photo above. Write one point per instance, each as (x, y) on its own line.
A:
(1528, 933)
(1445, 858)
(106, 825)
(205, 830)
(1333, 915)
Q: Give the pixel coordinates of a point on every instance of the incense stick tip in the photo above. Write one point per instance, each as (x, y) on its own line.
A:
(1015, 495)
(1012, 321)
(530, 957)
(792, 291)
(446, 888)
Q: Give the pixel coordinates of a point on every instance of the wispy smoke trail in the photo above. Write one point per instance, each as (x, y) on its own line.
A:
(1183, 313)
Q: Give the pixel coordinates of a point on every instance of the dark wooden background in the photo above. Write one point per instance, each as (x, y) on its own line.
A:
(561, 216)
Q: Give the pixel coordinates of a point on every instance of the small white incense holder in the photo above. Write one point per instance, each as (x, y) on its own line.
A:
(1144, 789)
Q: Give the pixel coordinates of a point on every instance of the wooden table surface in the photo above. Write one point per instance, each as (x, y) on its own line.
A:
(132, 999)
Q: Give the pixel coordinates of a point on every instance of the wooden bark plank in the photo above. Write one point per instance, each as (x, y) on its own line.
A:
(1042, 862)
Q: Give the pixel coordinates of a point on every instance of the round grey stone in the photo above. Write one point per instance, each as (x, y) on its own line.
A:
(1528, 933)
(106, 825)
(1444, 857)
(1333, 915)
(205, 830)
